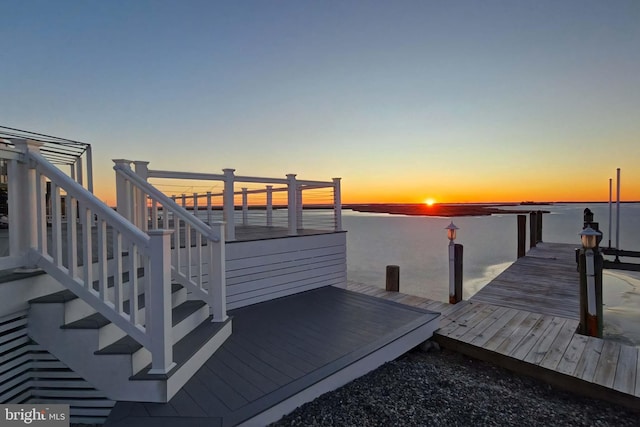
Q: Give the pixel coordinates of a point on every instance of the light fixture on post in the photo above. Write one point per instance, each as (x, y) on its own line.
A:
(454, 296)
(451, 232)
(589, 236)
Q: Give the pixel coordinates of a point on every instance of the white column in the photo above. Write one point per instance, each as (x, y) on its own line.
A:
(292, 204)
(89, 169)
(23, 205)
(79, 170)
(195, 205)
(299, 225)
(158, 313)
(269, 205)
(123, 205)
(218, 274)
(141, 169)
(228, 209)
(337, 204)
(245, 207)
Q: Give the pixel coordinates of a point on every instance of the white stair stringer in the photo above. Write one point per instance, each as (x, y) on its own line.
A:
(121, 373)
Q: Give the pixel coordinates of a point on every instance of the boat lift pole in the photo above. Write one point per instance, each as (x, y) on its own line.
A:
(617, 214)
(610, 191)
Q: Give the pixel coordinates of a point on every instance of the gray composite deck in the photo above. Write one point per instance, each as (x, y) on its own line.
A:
(278, 349)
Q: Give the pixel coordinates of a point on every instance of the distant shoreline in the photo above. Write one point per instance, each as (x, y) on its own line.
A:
(444, 210)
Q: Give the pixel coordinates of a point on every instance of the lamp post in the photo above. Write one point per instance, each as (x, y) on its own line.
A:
(589, 236)
(455, 265)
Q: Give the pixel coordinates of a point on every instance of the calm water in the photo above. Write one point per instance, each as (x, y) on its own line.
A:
(419, 246)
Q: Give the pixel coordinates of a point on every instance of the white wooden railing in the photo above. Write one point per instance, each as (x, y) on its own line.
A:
(198, 256)
(297, 194)
(92, 230)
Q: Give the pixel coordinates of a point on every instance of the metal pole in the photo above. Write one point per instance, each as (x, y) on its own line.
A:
(610, 218)
(618, 215)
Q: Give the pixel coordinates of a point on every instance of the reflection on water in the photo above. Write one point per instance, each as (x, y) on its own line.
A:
(419, 246)
(621, 295)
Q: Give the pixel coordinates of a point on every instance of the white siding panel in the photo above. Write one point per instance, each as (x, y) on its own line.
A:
(266, 269)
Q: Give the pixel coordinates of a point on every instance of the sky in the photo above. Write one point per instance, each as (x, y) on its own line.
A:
(458, 101)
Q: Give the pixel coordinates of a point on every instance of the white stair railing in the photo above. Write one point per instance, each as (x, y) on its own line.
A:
(198, 256)
(91, 231)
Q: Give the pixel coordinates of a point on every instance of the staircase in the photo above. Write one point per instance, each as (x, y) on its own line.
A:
(112, 361)
(143, 308)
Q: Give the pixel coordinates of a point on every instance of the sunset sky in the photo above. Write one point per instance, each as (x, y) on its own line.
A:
(459, 101)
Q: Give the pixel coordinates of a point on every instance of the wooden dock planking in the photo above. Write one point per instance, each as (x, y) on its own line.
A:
(606, 369)
(625, 378)
(545, 281)
(542, 346)
(483, 337)
(559, 347)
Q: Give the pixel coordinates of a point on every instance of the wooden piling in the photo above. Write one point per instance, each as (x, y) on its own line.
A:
(533, 229)
(539, 227)
(393, 278)
(522, 235)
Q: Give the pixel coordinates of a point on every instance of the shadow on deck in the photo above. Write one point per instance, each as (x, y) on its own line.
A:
(285, 352)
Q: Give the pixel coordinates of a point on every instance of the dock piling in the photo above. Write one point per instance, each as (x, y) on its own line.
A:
(539, 227)
(522, 235)
(533, 229)
(393, 278)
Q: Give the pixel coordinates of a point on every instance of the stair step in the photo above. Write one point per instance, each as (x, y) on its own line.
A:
(66, 296)
(97, 320)
(57, 297)
(125, 345)
(128, 345)
(184, 349)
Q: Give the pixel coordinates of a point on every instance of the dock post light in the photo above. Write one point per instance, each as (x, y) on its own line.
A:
(589, 236)
(451, 235)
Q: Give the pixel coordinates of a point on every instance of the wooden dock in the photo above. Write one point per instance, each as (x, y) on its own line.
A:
(526, 320)
(546, 281)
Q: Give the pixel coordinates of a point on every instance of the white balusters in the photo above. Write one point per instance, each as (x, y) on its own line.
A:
(292, 197)
(269, 207)
(228, 204)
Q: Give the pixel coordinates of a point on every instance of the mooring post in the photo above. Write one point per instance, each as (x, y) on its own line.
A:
(533, 229)
(522, 235)
(393, 278)
(590, 267)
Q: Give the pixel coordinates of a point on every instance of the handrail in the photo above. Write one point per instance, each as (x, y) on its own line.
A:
(177, 210)
(184, 175)
(97, 206)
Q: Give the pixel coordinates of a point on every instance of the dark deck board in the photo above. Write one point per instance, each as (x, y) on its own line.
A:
(280, 347)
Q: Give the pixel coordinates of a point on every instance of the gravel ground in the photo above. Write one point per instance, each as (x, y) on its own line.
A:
(443, 388)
